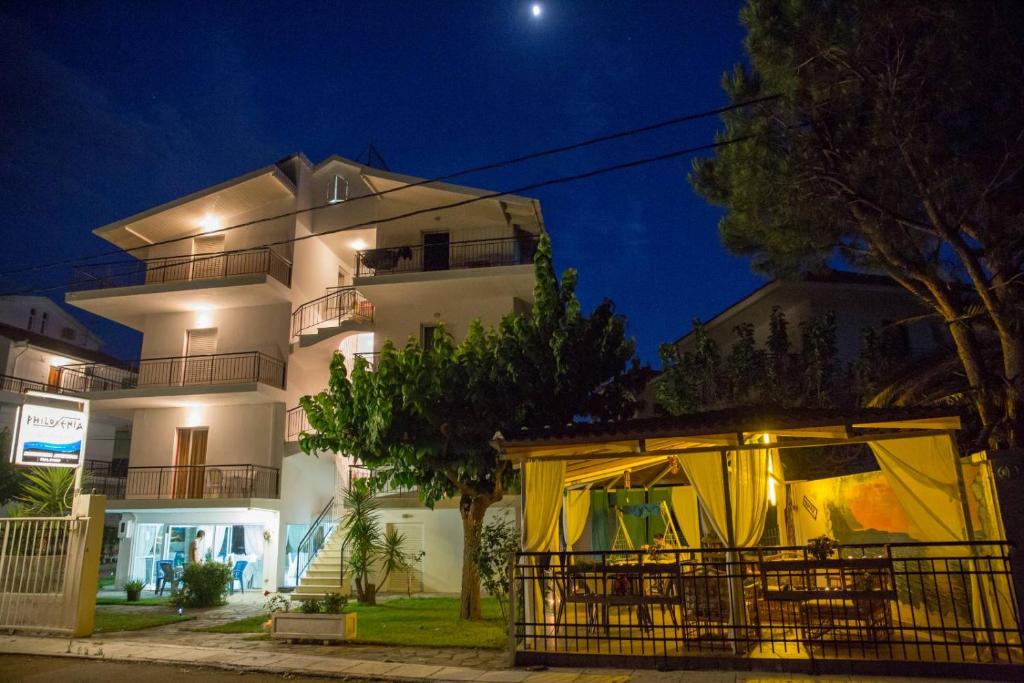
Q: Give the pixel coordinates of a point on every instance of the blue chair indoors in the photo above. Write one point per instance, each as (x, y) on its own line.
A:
(165, 574)
(238, 574)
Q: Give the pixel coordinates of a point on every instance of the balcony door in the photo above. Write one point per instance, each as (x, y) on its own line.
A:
(208, 257)
(198, 366)
(435, 250)
(190, 462)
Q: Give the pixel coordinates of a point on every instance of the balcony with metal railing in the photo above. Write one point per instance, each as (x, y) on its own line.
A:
(19, 385)
(123, 291)
(183, 269)
(340, 309)
(177, 374)
(188, 482)
(360, 472)
(425, 258)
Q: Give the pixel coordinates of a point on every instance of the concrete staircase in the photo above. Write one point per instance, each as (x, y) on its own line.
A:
(340, 310)
(324, 573)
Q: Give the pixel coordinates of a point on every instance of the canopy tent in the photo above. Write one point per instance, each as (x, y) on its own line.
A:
(731, 460)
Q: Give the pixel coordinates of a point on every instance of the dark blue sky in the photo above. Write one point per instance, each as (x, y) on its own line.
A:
(111, 108)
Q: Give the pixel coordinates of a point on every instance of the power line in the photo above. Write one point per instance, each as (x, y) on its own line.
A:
(476, 169)
(667, 156)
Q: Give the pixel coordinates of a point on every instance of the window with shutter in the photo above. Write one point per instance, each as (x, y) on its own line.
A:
(410, 580)
(206, 262)
(199, 366)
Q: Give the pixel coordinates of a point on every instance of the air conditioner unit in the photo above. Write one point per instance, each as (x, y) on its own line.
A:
(124, 529)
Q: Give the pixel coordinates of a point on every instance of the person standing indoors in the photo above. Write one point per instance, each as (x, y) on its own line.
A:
(195, 548)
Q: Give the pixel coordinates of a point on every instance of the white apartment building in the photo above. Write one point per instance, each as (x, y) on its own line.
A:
(238, 325)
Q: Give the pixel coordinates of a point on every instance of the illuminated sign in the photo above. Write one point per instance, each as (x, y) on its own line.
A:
(49, 436)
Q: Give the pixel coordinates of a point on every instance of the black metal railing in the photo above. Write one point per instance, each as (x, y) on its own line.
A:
(319, 531)
(509, 251)
(176, 371)
(19, 385)
(903, 602)
(189, 482)
(338, 305)
(296, 422)
(184, 269)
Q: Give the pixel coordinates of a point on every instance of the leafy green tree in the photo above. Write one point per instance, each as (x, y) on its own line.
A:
(818, 356)
(895, 144)
(425, 417)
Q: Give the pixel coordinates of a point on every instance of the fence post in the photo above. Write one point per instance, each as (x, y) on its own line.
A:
(513, 600)
(83, 574)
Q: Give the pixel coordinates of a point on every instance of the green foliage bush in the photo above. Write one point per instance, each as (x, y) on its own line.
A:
(203, 585)
(331, 603)
(499, 541)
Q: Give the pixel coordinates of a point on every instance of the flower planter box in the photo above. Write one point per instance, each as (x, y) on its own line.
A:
(325, 627)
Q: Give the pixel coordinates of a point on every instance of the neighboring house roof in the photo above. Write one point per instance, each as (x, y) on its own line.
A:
(835, 277)
(18, 334)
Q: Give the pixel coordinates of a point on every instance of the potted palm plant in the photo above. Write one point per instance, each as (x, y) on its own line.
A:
(133, 589)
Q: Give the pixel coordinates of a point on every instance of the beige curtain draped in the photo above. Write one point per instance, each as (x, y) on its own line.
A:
(922, 473)
(544, 482)
(577, 510)
(684, 502)
(748, 491)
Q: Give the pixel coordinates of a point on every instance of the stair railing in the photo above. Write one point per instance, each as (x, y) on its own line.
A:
(319, 531)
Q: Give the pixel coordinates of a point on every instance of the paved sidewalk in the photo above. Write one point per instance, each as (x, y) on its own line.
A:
(264, 656)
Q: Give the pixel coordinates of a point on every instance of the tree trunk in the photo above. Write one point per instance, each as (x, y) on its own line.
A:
(472, 509)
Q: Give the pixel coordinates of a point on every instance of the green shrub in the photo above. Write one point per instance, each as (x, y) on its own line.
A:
(333, 603)
(203, 585)
(134, 585)
(311, 606)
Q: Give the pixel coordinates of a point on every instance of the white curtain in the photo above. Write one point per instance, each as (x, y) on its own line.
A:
(684, 502)
(748, 491)
(220, 552)
(253, 542)
(577, 511)
(206, 545)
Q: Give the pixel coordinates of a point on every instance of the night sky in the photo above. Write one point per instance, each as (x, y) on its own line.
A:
(112, 108)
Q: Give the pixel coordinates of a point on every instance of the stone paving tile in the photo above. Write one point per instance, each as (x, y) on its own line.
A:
(553, 677)
(372, 668)
(509, 676)
(414, 670)
(454, 673)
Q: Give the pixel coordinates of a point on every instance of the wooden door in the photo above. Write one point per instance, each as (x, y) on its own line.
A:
(53, 379)
(190, 458)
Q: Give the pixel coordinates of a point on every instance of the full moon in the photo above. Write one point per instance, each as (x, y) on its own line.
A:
(535, 9)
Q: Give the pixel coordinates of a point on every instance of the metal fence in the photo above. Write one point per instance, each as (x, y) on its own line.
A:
(176, 371)
(339, 305)
(40, 571)
(296, 422)
(18, 385)
(508, 251)
(190, 482)
(184, 269)
(949, 603)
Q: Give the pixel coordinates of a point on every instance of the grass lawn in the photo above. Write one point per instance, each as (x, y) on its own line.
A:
(154, 601)
(410, 621)
(107, 622)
